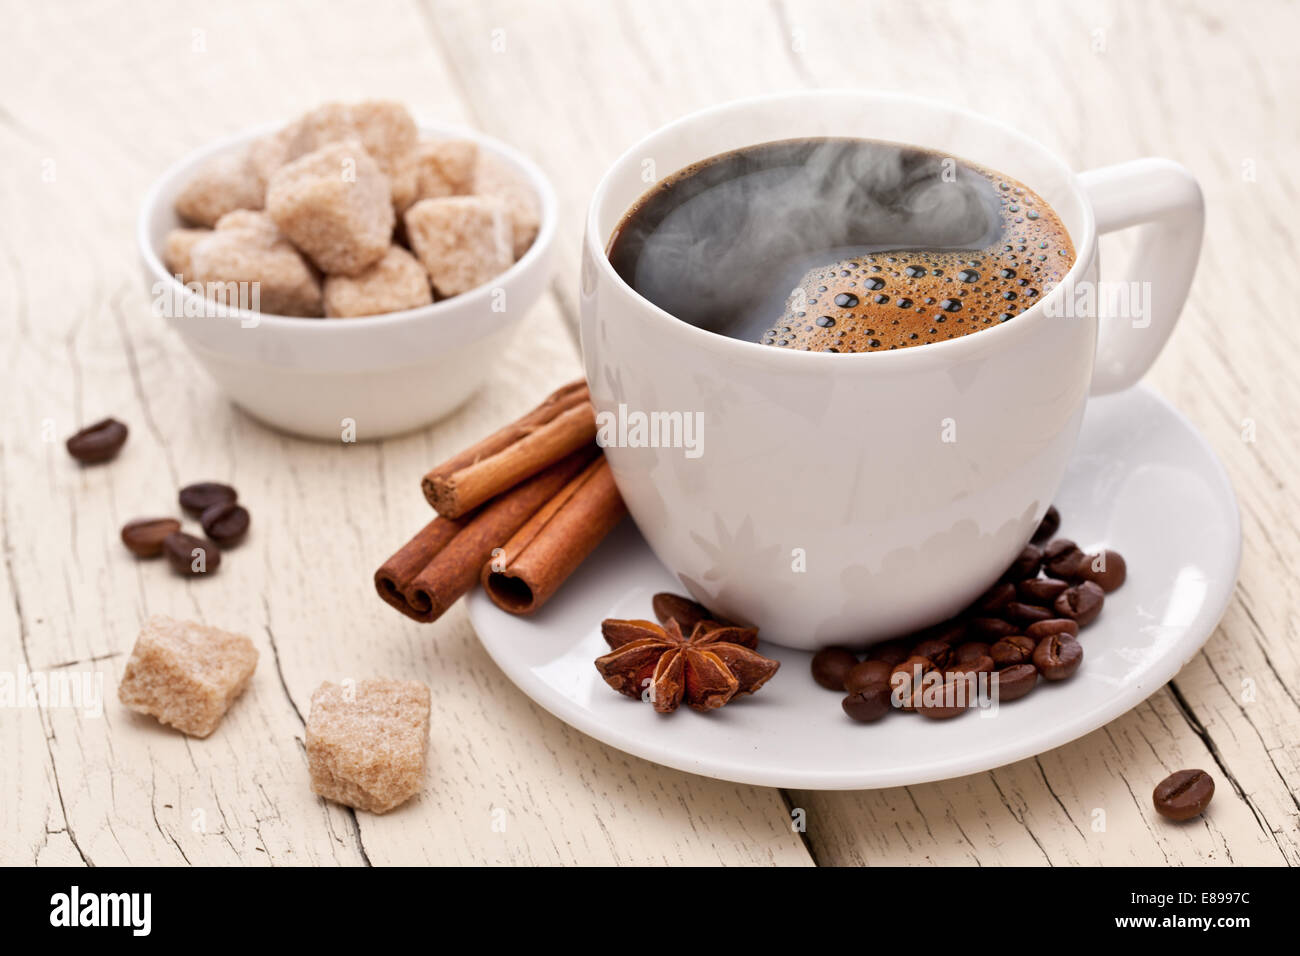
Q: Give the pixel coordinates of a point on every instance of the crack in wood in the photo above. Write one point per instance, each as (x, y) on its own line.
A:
(1198, 728)
(23, 636)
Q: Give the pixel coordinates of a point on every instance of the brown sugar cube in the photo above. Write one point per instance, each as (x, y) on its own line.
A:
(495, 177)
(403, 184)
(395, 282)
(334, 204)
(177, 248)
(247, 255)
(384, 127)
(186, 674)
(444, 167)
(388, 132)
(366, 742)
(225, 183)
(463, 241)
(268, 153)
(250, 219)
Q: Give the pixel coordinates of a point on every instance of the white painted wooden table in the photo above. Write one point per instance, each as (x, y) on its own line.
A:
(96, 98)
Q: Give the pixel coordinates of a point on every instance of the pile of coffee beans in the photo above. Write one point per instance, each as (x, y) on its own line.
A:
(1024, 628)
(224, 521)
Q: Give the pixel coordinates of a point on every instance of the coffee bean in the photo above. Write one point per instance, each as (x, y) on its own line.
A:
(225, 523)
(938, 652)
(906, 678)
(1041, 590)
(892, 653)
(991, 628)
(200, 496)
(1026, 613)
(1081, 603)
(949, 632)
(974, 665)
(143, 537)
(954, 696)
(1012, 650)
(866, 675)
(996, 597)
(1026, 564)
(98, 442)
(191, 556)
(1058, 657)
(911, 666)
(869, 690)
(1061, 558)
(869, 704)
(1057, 547)
(1016, 681)
(830, 666)
(1107, 569)
(1048, 526)
(1183, 795)
(1057, 625)
(970, 651)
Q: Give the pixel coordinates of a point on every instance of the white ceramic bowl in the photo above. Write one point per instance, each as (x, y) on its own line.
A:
(387, 374)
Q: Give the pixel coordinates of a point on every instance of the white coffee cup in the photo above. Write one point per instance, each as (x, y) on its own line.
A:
(848, 498)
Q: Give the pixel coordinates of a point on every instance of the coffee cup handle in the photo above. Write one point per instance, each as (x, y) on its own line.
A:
(1163, 200)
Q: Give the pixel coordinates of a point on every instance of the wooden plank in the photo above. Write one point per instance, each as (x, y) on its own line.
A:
(1087, 803)
(1099, 83)
(132, 90)
(574, 85)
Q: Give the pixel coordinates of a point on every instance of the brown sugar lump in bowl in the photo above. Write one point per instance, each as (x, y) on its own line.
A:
(177, 248)
(384, 128)
(186, 674)
(494, 177)
(334, 205)
(394, 283)
(366, 742)
(462, 241)
(268, 153)
(247, 255)
(444, 167)
(223, 184)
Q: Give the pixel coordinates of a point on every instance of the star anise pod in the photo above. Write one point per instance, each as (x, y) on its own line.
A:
(687, 613)
(715, 664)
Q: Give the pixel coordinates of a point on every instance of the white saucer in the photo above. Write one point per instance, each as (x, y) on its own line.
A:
(1142, 481)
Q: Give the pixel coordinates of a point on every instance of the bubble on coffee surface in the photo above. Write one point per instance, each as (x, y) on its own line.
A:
(841, 245)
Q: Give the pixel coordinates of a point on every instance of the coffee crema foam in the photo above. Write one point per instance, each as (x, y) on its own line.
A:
(888, 301)
(841, 245)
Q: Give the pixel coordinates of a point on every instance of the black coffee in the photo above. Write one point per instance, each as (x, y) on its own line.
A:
(841, 245)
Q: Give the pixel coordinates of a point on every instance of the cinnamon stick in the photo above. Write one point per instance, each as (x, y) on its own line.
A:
(442, 562)
(395, 575)
(553, 542)
(562, 424)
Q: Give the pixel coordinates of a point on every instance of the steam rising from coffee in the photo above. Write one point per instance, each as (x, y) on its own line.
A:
(724, 244)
